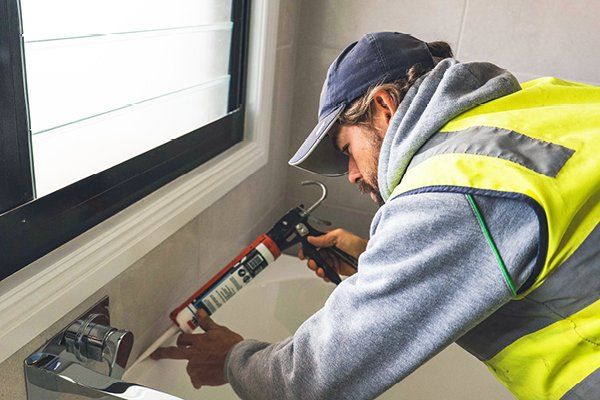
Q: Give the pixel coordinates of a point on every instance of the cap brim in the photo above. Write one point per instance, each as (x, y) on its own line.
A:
(319, 155)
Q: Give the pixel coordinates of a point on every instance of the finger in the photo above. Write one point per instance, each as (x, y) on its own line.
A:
(326, 240)
(196, 383)
(301, 254)
(312, 264)
(186, 339)
(330, 259)
(174, 353)
(321, 274)
(205, 321)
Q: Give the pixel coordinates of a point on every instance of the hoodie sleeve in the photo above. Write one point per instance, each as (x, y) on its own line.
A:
(427, 277)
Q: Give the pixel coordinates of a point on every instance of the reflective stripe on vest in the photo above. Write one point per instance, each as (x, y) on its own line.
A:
(541, 143)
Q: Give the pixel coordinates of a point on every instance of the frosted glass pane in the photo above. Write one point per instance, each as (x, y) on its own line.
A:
(43, 19)
(71, 153)
(69, 80)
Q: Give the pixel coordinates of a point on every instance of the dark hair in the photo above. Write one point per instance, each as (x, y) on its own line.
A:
(440, 50)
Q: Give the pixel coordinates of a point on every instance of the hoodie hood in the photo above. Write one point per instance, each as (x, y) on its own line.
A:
(450, 89)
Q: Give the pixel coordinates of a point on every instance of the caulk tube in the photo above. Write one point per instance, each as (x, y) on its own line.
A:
(230, 280)
(220, 288)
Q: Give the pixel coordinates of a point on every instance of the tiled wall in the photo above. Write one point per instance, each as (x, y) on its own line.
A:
(531, 38)
(144, 294)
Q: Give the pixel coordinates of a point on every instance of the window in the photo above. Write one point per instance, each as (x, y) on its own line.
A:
(103, 102)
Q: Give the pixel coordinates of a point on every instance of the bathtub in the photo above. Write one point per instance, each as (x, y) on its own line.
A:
(272, 307)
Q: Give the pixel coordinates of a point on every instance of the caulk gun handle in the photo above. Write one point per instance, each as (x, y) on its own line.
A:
(345, 257)
(311, 251)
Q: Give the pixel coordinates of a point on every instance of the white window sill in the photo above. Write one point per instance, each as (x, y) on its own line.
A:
(40, 294)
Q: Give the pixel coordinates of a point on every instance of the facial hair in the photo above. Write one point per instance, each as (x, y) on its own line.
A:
(370, 185)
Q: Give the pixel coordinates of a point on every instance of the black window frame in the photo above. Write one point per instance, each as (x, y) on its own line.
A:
(31, 228)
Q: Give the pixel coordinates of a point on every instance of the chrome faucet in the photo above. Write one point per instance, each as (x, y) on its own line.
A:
(87, 359)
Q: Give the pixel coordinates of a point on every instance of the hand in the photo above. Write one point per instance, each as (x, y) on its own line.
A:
(205, 352)
(343, 240)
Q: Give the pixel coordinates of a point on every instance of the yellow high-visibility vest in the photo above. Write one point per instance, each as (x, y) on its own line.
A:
(540, 144)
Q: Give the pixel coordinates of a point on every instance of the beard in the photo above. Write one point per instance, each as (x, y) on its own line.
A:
(370, 184)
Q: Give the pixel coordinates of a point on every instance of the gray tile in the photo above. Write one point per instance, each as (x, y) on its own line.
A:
(236, 219)
(337, 23)
(311, 68)
(542, 38)
(281, 120)
(524, 77)
(12, 376)
(288, 20)
(148, 290)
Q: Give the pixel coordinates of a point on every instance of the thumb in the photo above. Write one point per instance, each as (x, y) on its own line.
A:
(327, 240)
(205, 321)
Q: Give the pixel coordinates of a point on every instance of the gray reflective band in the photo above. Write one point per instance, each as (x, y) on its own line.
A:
(539, 156)
(570, 288)
(589, 388)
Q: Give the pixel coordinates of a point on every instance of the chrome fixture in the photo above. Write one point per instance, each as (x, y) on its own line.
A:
(86, 360)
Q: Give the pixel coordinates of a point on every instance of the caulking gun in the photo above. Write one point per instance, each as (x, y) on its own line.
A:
(291, 229)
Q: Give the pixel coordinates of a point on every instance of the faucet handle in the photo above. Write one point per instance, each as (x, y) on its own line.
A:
(93, 338)
(117, 349)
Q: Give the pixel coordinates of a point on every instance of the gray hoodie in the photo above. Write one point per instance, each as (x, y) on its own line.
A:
(428, 275)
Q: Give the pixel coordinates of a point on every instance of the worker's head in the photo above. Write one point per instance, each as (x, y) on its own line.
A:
(362, 91)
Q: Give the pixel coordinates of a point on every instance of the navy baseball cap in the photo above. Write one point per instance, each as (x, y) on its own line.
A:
(376, 58)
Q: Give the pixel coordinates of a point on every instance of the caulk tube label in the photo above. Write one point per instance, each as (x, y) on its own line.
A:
(239, 276)
(227, 282)
(186, 319)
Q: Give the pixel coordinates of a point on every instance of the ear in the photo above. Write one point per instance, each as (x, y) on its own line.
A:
(384, 103)
(384, 109)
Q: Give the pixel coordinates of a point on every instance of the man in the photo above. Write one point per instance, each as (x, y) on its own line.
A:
(487, 235)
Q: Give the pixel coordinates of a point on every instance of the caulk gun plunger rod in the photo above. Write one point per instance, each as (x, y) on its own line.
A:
(321, 199)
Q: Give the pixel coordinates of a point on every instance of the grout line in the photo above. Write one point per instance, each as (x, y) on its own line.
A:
(462, 28)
